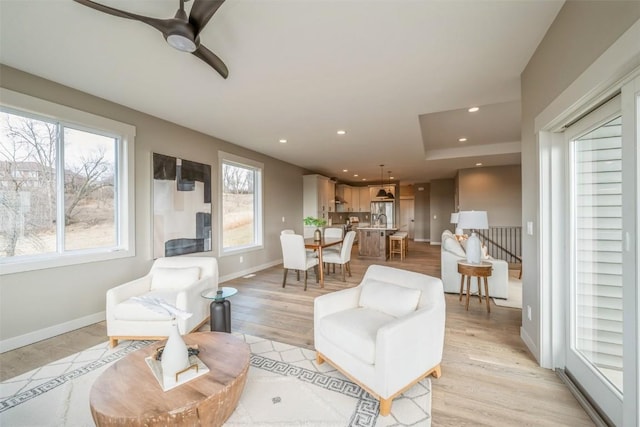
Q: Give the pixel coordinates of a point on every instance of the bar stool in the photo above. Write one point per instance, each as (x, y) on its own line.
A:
(405, 241)
(396, 245)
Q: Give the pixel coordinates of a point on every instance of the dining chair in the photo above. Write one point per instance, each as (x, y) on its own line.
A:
(343, 258)
(333, 233)
(295, 257)
(287, 231)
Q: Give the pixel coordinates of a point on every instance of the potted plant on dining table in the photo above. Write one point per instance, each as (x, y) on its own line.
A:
(317, 222)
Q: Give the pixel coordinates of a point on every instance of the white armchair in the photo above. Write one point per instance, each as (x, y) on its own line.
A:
(386, 334)
(177, 280)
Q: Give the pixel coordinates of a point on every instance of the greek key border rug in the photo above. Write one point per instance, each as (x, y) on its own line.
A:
(285, 388)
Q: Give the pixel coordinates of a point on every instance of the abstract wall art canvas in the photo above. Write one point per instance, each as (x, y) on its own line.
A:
(181, 206)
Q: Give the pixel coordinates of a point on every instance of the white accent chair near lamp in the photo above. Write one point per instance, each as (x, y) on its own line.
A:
(454, 220)
(178, 281)
(386, 334)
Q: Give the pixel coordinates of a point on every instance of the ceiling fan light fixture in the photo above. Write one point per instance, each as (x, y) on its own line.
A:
(181, 42)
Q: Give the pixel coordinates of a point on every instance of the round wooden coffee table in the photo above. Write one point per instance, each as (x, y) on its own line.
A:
(128, 393)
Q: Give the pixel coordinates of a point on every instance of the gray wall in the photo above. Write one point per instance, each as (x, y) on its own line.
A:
(422, 226)
(497, 190)
(581, 32)
(35, 300)
(442, 202)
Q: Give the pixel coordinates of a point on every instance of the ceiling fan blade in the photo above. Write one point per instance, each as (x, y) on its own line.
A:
(201, 13)
(212, 59)
(162, 25)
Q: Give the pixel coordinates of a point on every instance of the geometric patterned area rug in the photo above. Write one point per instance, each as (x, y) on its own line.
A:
(285, 388)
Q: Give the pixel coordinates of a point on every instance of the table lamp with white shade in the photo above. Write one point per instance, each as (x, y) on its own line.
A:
(473, 220)
(454, 220)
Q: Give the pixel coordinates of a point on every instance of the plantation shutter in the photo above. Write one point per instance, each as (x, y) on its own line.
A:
(598, 246)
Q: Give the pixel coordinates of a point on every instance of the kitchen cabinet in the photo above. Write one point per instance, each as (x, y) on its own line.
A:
(318, 194)
(364, 199)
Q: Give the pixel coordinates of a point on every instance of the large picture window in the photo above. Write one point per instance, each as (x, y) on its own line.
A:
(241, 181)
(63, 189)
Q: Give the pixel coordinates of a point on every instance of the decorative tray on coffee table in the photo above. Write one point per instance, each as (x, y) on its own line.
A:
(196, 369)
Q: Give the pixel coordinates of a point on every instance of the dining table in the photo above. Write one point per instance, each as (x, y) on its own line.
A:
(319, 245)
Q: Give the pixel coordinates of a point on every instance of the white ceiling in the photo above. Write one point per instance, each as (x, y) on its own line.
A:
(397, 75)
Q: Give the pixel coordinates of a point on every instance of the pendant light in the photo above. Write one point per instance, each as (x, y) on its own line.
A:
(382, 193)
(390, 194)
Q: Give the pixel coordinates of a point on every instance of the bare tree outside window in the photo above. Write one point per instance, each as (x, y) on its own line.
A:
(30, 187)
(27, 185)
(238, 205)
(89, 214)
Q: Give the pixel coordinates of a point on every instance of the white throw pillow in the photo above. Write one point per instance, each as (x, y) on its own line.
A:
(485, 252)
(174, 278)
(451, 244)
(388, 298)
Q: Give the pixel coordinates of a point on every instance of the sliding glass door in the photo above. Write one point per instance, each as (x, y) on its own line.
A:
(595, 324)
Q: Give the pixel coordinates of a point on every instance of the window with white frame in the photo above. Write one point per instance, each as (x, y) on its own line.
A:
(241, 204)
(65, 197)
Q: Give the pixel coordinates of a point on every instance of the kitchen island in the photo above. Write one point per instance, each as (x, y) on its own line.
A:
(373, 242)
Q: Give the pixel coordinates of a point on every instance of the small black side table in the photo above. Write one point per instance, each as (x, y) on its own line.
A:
(220, 308)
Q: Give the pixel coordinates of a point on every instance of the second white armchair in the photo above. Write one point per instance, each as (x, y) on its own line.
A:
(386, 334)
(177, 280)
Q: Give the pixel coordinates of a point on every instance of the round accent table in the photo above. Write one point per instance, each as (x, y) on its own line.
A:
(128, 393)
(468, 270)
(220, 308)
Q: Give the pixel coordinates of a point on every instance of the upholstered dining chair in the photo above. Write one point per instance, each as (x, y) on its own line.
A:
(386, 334)
(342, 258)
(296, 257)
(179, 281)
(287, 231)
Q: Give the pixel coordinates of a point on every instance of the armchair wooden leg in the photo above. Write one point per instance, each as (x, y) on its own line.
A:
(436, 372)
(319, 359)
(385, 406)
(113, 342)
(284, 279)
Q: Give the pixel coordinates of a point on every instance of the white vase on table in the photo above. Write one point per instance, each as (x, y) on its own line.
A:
(175, 356)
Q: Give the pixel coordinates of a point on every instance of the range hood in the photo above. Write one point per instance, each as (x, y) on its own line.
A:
(339, 200)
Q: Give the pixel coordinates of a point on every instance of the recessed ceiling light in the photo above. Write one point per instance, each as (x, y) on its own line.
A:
(342, 132)
(355, 174)
(462, 139)
(473, 109)
(283, 141)
(364, 179)
(345, 170)
(392, 177)
(478, 164)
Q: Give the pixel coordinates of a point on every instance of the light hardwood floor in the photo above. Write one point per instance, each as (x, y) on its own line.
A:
(489, 378)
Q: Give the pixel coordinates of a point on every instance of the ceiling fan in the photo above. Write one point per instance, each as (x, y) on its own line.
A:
(181, 32)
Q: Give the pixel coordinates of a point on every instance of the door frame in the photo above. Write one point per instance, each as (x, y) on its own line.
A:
(619, 65)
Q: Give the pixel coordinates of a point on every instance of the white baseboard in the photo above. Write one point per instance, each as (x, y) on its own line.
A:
(421, 240)
(529, 343)
(241, 273)
(51, 331)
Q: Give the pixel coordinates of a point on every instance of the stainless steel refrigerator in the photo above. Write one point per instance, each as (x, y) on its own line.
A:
(383, 213)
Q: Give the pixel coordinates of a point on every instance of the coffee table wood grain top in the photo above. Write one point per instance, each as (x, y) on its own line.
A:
(127, 393)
